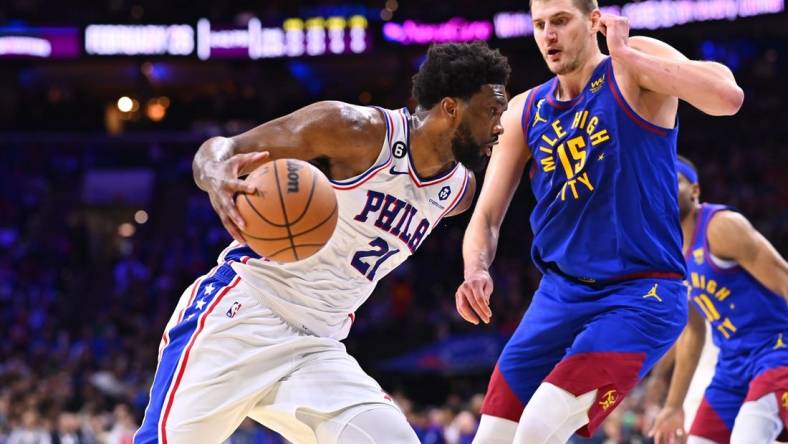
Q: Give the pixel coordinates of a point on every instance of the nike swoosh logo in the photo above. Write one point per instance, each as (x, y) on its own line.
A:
(395, 172)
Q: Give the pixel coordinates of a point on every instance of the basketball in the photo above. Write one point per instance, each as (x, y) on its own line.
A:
(292, 215)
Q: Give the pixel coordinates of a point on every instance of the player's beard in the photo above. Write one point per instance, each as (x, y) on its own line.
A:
(567, 67)
(466, 150)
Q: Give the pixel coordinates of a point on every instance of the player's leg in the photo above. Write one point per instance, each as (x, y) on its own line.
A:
(557, 420)
(548, 327)
(495, 430)
(764, 413)
(718, 409)
(328, 398)
(758, 421)
(362, 424)
(606, 360)
(219, 359)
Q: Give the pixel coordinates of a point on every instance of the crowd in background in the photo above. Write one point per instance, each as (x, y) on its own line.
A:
(82, 307)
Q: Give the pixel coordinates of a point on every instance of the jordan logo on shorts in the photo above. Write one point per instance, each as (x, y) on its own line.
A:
(608, 399)
(653, 293)
(780, 343)
(784, 400)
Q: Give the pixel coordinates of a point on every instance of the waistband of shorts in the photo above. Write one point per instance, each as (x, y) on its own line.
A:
(615, 280)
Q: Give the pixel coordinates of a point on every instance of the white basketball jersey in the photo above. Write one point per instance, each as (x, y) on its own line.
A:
(385, 214)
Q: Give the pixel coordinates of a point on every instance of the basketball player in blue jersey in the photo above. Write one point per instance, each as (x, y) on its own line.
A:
(738, 282)
(599, 144)
(262, 339)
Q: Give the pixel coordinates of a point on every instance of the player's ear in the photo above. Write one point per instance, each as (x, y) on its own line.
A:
(595, 15)
(450, 107)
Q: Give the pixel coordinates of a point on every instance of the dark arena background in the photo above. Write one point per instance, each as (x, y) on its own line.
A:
(103, 105)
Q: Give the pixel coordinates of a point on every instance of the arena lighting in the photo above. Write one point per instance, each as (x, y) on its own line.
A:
(141, 217)
(111, 40)
(653, 14)
(34, 42)
(297, 37)
(125, 104)
(126, 229)
(454, 30)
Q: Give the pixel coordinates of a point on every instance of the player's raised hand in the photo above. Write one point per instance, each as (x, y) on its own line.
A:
(669, 427)
(615, 28)
(223, 184)
(473, 297)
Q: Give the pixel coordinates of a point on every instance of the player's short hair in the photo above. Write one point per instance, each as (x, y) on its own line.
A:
(586, 6)
(458, 70)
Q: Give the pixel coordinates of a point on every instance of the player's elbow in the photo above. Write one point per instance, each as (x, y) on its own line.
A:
(732, 98)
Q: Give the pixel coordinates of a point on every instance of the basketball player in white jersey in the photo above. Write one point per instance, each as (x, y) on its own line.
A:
(261, 339)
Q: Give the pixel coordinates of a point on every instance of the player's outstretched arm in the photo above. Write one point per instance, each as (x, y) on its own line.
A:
(669, 424)
(731, 236)
(658, 67)
(336, 130)
(481, 237)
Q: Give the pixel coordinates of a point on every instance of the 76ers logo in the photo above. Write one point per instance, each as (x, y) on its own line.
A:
(444, 193)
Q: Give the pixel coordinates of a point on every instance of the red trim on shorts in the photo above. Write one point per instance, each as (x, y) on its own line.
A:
(774, 380)
(500, 401)
(648, 275)
(185, 358)
(612, 374)
(708, 424)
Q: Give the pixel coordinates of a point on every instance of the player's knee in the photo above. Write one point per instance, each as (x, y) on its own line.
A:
(553, 415)
(381, 424)
(757, 421)
(494, 430)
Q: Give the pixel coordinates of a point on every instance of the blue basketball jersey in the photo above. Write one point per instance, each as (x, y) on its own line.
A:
(605, 185)
(749, 322)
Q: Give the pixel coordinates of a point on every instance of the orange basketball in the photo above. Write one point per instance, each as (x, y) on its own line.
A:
(293, 215)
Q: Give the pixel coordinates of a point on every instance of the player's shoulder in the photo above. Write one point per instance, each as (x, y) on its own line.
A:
(348, 115)
(354, 124)
(726, 229)
(727, 222)
(517, 102)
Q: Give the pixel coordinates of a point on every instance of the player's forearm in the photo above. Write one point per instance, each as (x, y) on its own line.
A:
(708, 86)
(688, 349)
(479, 245)
(215, 149)
(664, 367)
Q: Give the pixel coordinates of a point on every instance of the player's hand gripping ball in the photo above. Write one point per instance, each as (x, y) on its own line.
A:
(292, 215)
